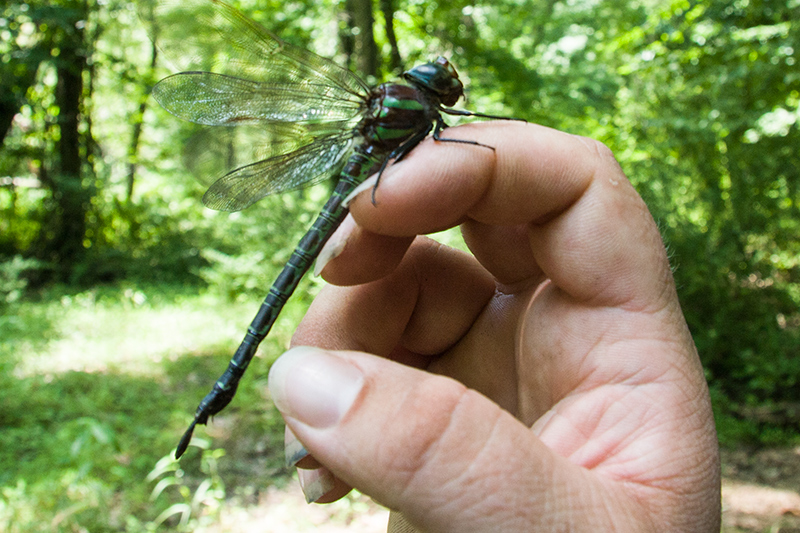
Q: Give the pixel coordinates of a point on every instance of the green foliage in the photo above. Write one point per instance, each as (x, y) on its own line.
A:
(12, 278)
(197, 506)
(257, 245)
(712, 105)
(65, 453)
(97, 387)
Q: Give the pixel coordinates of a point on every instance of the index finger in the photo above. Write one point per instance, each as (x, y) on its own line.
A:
(543, 203)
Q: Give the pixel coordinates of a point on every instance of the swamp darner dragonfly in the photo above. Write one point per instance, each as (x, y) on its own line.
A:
(311, 119)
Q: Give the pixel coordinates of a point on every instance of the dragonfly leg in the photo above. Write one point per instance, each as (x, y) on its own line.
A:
(401, 151)
(380, 173)
(465, 113)
(398, 154)
(440, 126)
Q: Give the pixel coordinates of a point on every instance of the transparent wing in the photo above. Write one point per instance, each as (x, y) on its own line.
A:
(293, 112)
(308, 164)
(220, 100)
(211, 36)
(213, 152)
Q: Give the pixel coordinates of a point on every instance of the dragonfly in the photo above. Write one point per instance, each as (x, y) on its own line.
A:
(307, 119)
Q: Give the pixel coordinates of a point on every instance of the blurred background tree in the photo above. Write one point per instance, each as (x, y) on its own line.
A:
(698, 100)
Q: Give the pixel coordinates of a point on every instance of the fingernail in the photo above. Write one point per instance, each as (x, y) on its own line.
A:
(366, 185)
(294, 452)
(316, 483)
(313, 386)
(333, 247)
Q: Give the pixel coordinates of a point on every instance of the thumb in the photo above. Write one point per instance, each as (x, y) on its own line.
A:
(444, 456)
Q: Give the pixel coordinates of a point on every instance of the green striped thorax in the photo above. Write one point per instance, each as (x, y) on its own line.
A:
(396, 110)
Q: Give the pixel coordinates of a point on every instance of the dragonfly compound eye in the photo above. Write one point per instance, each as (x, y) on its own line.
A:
(439, 78)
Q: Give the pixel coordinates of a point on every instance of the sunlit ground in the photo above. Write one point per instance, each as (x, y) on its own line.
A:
(97, 387)
(131, 335)
(285, 510)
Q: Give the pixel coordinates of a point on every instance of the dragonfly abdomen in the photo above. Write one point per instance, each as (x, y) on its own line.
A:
(356, 170)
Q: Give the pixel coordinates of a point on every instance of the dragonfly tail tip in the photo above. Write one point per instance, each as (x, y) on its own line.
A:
(185, 440)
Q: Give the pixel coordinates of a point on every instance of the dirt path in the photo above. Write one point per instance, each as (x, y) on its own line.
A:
(761, 491)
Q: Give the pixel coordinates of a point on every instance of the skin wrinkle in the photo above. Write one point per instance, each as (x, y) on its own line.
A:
(614, 452)
(481, 509)
(421, 271)
(635, 487)
(589, 433)
(620, 378)
(631, 437)
(644, 522)
(657, 482)
(640, 376)
(683, 372)
(424, 449)
(475, 466)
(631, 382)
(588, 376)
(550, 499)
(653, 482)
(582, 207)
(651, 501)
(609, 338)
(615, 511)
(430, 456)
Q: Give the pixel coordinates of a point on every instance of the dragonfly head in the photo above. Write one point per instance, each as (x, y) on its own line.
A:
(440, 78)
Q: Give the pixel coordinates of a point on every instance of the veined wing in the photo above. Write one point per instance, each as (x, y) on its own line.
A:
(213, 152)
(221, 100)
(209, 35)
(309, 164)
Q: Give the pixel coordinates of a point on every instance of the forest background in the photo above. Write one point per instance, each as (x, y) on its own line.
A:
(122, 297)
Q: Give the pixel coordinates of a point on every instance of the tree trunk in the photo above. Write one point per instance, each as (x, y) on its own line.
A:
(365, 47)
(395, 61)
(12, 91)
(346, 39)
(65, 247)
(133, 149)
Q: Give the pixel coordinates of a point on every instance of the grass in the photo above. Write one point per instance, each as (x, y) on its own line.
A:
(98, 386)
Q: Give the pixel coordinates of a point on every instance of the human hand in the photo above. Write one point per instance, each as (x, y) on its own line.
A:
(575, 400)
